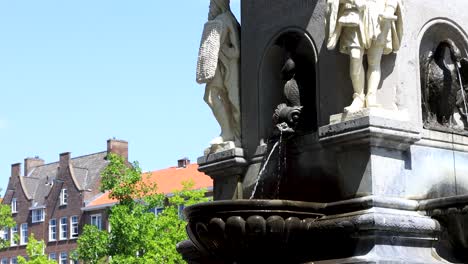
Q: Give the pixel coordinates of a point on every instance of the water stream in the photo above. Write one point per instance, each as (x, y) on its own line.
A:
(462, 90)
(267, 161)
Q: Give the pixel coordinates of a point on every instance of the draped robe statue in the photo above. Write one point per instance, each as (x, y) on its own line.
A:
(218, 67)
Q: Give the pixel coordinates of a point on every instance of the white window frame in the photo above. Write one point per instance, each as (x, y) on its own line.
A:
(64, 196)
(24, 234)
(37, 215)
(52, 256)
(14, 260)
(157, 210)
(63, 258)
(5, 233)
(95, 222)
(63, 228)
(180, 211)
(4, 260)
(53, 230)
(13, 232)
(74, 227)
(13, 205)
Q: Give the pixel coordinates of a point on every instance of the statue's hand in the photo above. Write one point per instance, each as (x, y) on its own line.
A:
(360, 4)
(389, 12)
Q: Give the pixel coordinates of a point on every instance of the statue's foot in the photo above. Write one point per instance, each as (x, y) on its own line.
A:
(357, 104)
(371, 101)
(217, 141)
(219, 147)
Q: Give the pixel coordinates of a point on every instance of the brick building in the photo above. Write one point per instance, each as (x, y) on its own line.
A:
(53, 201)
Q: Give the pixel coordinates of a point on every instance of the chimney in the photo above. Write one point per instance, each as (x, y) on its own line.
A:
(183, 163)
(30, 163)
(119, 147)
(64, 160)
(15, 174)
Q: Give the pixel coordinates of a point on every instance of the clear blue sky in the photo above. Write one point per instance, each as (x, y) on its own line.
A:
(76, 73)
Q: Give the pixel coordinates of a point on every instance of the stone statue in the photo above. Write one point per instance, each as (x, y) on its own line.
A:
(218, 67)
(287, 115)
(374, 27)
(444, 88)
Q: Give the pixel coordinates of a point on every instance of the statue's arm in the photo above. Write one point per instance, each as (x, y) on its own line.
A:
(233, 50)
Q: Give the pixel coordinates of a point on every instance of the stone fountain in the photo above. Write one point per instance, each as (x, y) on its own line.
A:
(351, 141)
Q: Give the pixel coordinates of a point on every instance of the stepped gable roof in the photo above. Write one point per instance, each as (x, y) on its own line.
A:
(85, 171)
(168, 181)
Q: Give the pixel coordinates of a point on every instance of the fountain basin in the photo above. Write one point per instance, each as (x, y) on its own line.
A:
(243, 230)
(281, 231)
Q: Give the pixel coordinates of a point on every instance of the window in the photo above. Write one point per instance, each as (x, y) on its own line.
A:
(14, 234)
(74, 227)
(181, 211)
(4, 261)
(5, 234)
(52, 256)
(96, 221)
(72, 261)
(63, 197)
(14, 260)
(52, 229)
(157, 210)
(37, 215)
(13, 206)
(63, 228)
(24, 234)
(63, 258)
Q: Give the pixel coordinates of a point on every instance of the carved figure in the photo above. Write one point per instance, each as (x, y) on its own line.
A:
(218, 67)
(286, 117)
(374, 27)
(444, 94)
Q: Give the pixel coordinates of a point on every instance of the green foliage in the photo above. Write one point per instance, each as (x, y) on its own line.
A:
(6, 221)
(92, 245)
(36, 253)
(137, 236)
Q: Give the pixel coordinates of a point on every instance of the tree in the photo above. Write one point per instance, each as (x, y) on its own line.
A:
(6, 221)
(137, 235)
(36, 253)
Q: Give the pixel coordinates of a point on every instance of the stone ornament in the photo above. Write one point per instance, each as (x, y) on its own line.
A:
(358, 27)
(218, 67)
(287, 115)
(444, 88)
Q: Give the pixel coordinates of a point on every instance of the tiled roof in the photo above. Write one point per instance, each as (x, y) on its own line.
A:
(38, 183)
(167, 180)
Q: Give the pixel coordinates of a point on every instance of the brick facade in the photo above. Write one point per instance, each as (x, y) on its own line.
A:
(40, 188)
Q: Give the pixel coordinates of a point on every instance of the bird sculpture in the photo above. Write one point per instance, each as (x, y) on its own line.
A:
(444, 87)
(287, 115)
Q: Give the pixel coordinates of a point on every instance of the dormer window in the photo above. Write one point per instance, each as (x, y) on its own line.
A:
(63, 197)
(13, 206)
(38, 215)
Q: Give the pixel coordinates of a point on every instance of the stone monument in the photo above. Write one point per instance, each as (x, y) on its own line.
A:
(335, 166)
(218, 67)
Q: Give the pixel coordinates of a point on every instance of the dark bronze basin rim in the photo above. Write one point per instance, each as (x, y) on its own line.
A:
(254, 205)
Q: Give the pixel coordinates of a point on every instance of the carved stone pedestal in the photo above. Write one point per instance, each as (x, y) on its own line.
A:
(226, 168)
(372, 155)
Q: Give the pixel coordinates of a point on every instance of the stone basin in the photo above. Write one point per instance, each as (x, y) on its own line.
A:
(251, 230)
(282, 231)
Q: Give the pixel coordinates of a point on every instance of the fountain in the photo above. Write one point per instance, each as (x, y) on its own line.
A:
(353, 142)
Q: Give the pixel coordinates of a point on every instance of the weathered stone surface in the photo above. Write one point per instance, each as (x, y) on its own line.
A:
(227, 170)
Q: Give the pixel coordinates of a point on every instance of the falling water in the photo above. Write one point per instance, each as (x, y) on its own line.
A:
(462, 90)
(278, 182)
(264, 167)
